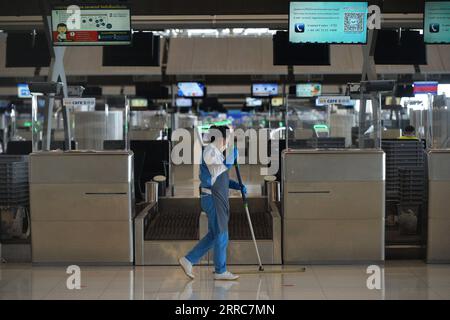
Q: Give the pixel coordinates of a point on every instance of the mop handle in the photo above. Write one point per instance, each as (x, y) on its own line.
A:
(238, 174)
(244, 198)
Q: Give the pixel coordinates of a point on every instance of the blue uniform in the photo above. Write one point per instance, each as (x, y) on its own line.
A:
(215, 184)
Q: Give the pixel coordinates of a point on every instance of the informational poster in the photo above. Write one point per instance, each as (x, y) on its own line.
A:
(91, 25)
(308, 90)
(328, 22)
(326, 100)
(436, 26)
(77, 102)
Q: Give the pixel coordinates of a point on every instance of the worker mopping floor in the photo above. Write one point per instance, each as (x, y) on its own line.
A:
(214, 197)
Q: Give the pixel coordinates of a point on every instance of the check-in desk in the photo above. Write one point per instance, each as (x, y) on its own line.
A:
(81, 207)
(438, 246)
(333, 206)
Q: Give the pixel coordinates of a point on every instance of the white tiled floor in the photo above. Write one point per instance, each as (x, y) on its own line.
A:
(402, 280)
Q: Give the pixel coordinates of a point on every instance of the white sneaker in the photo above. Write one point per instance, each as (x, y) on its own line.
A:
(227, 275)
(187, 267)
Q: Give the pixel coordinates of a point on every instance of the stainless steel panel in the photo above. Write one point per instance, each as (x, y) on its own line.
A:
(438, 247)
(165, 252)
(92, 128)
(438, 203)
(243, 252)
(439, 165)
(332, 241)
(82, 241)
(81, 207)
(334, 200)
(59, 167)
(139, 233)
(80, 202)
(277, 234)
(342, 165)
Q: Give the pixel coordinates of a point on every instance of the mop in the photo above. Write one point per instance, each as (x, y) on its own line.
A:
(261, 267)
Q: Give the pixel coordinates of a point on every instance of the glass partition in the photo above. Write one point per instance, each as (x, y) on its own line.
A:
(326, 124)
(92, 124)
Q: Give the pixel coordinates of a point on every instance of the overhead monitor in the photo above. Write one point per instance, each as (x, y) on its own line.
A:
(183, 103)
(328, 22)
(23, 91)
(286, 53)
(253, 102)
(143, 52)
(308, 90)
(91, 25)
(436, 22)
(191, 89)
(277, 102)
(264, 89)
(27, 49)
(400, 47)
(426, 87)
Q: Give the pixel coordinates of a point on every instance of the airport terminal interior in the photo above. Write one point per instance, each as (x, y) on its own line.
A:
(339, 132)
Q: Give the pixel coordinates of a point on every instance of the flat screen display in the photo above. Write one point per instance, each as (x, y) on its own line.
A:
(308, 90)
(139, 103)
(23, 91)
(264, 89)
(277, 102)
(143, 52)
(253, 102)
(89, 25)
(183, 103)
(403, 47)
(191, 89)
(328, 22)
(286, 53)
(425, 87)
(27, 49)
(436, 23)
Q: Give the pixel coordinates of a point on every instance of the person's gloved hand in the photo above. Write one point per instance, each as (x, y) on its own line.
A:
(244, 189)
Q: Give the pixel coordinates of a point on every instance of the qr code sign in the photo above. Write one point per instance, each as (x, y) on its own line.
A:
(354, 22)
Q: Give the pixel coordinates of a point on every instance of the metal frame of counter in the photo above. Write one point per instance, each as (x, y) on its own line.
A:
(81, 207)
(438, 246)
(333, 206)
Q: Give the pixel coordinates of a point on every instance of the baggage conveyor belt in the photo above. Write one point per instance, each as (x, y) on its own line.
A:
(179, 225)
(166, 230)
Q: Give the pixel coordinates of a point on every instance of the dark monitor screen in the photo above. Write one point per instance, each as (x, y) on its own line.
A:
(151, 90)
(404, 90)
(286, 53)
(401, 48)
(27, 50)
(143, 52)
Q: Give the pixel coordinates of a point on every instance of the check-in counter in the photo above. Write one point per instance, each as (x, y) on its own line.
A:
(81, 207)
(333, 206)
(438, 246)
